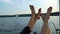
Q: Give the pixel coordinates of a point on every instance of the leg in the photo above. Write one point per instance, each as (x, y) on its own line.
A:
(48, 16)
(45, 28)
(45, 24)
(28, 28)
(33, 21)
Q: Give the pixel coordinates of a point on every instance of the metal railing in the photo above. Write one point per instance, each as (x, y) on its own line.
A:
(57, 30)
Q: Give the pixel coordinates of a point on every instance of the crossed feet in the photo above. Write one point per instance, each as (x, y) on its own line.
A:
(35, 17)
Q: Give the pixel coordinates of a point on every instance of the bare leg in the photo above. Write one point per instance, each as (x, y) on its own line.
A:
(28, 28)
(31, 22)
(34, 17)
(45, 28)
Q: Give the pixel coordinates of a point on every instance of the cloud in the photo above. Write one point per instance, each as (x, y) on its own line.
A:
(6, 1)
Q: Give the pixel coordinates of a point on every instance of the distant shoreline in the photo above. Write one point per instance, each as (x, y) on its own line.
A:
(27, 15)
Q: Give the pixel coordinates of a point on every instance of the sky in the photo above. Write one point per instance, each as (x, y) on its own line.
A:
(11, 7)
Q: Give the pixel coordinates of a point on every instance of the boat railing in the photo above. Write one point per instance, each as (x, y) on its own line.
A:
(57, 30)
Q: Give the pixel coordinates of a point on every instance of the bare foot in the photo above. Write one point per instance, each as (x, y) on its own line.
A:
(37, 16)
(33, 13)
(43, 17)
(47, 16)
(49, 10)
(32, 10)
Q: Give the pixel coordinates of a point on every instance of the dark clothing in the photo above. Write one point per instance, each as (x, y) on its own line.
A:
(26, 30)
(34, 32)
